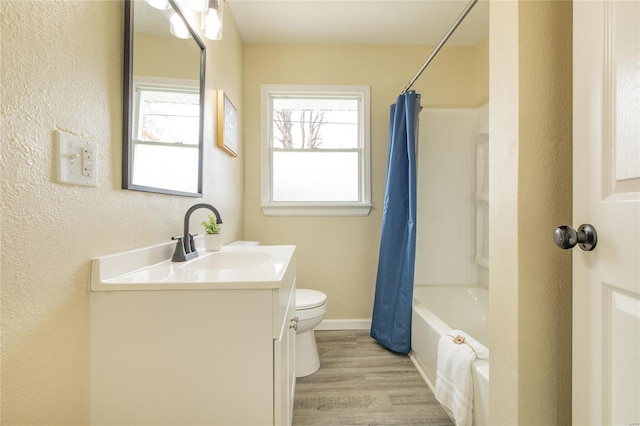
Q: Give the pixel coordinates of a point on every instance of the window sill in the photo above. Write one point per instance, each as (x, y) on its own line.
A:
(317, 209)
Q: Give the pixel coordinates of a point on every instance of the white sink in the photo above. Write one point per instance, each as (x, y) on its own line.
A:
(151, 268)
(227, 260)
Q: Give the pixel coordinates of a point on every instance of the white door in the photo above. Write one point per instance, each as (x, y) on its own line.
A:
(606, 194)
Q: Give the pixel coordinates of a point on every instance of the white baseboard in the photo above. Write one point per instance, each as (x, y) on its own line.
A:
(346, 324)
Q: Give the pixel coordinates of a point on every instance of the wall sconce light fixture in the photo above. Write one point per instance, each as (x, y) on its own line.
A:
(211, 18)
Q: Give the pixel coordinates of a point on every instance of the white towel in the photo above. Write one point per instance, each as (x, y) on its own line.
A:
(454, 384)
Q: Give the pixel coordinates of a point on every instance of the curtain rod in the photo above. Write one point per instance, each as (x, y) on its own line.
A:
(455, 25)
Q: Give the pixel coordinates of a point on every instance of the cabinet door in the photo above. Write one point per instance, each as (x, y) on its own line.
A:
(291, 359)
(284, 378)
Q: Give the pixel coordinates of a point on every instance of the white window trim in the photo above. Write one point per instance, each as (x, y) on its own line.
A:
(158, 83)
(275, 208)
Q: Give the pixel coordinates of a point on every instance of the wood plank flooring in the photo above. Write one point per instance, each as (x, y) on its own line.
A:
(361, 383)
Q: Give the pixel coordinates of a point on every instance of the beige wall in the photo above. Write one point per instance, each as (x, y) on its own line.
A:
(62, 69)
(339, 255)
(169, 57)
(482, 72)
(530, 187)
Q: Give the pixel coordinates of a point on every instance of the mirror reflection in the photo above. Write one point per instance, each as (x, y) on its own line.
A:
(163, 100)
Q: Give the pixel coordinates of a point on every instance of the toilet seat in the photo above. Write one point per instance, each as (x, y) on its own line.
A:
(309, 299)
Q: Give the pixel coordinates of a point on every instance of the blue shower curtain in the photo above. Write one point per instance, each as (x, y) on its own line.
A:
(391, 319)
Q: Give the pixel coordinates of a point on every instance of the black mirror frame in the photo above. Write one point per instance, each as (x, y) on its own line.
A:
(127, 122)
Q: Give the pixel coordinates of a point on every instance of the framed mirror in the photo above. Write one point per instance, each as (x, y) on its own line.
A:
(164, 69)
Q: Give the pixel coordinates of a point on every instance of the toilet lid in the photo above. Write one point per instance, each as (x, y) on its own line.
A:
(307, 299)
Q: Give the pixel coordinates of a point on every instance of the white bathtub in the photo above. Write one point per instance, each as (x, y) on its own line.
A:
(436, 311)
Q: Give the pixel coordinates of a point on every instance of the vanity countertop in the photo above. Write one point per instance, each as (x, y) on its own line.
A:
(233, 267)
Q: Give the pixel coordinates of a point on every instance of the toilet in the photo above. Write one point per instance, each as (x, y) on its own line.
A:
(311, 306)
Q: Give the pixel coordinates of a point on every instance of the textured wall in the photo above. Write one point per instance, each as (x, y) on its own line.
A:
(339, 255)
(62, 69)
(544, 271)
(530, 187)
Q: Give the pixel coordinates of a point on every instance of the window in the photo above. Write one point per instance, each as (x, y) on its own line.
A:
(166, 135)
(315, 150)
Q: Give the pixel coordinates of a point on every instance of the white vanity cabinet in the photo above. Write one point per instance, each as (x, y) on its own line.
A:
(201, 355)
(284, 350)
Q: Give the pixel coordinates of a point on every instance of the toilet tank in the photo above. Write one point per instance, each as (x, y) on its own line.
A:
(244, 243)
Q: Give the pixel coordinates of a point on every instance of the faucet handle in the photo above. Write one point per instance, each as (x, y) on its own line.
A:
(179, 254)
(192, 243)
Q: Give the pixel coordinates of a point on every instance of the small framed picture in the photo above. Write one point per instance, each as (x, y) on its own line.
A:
(227, 125)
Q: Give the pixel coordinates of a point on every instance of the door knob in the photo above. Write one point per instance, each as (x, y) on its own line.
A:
(566, 237)
(294, 323)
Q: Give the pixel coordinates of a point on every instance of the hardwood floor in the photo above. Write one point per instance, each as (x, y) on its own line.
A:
(361, 383)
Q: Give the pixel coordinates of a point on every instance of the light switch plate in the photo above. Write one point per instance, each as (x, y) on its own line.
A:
(77, 160)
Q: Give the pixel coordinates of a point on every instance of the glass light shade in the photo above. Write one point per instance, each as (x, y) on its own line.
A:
(212, 20)
(177, 27)
(159, 4)
(197, 5)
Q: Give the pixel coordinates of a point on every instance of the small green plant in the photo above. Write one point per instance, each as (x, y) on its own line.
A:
(211, 227)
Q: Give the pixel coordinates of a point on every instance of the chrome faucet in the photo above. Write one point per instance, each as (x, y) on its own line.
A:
(186, 247)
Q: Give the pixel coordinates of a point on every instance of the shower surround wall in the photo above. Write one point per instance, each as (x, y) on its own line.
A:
(450, 225)
(451, 242)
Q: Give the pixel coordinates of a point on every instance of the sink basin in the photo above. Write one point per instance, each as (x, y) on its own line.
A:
(227, 260)
(151, 268)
